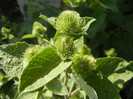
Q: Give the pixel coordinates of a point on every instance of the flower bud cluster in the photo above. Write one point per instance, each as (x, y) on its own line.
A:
(65, 46)
(83, 65)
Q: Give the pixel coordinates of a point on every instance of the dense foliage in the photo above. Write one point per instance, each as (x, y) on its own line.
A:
(79, 50)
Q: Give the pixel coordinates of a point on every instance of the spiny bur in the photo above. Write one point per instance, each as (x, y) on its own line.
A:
(30, 52)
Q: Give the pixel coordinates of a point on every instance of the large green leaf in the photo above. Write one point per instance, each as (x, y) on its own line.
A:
(39, 66)
(57, 88)
(88, 89)
(123, 73)
(30, 95)
(11, 58)
(103, 87)
(49, 76)
(108, 65)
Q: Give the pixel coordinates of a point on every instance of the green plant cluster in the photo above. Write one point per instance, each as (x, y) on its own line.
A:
(73, 57)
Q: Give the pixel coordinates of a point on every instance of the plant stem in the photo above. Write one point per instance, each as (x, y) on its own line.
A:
(53, 96)
(84, 96)
(66, 81)
(66, 97)
(66, 78)
(72, 93)
(71, 88)
(39, 39)
(42, 95)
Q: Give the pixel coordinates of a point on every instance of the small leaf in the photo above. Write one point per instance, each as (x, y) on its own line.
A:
(27, 36)
(39, 66)
(84, 86)
(108, 65)
(11, 58)
(5, 31)
(51, 20)
(74, 3)
(30, 95)
(39, 29)
(57, 88)
(85, 23)
(50, 76)
(85, 50)
(4, 79)
(79, 43)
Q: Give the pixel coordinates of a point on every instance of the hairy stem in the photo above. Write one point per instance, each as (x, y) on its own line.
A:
(66, 78)
(42, 96)
(76, 90)
(71, 88)
(54, 97)
(66, 81)
(84, 96)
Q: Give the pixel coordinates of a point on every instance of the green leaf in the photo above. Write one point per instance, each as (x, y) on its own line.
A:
(110, 53)
(123, 45)
(84, 86)
(4, 79)
(51, 20)
(79, 43)
(39, 29)
(57, 88)
(12, 90)
(11, 58)
(119, 20)
(27, 36)
(123, 73)
(130, 66)
(108, 65)
(85, 23)
(39, 66)
(5, 31)
(50, 76)
(97, 26)
(128, 26)
(46, 43)
(109, 4)
(103, 87)
(73, 3)
(30, 95)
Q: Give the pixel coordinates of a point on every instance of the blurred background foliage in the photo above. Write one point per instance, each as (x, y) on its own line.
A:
(110, 35)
